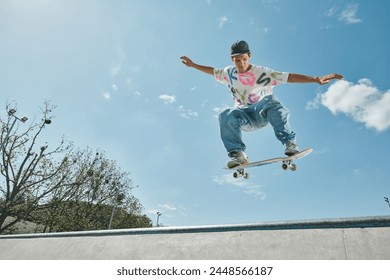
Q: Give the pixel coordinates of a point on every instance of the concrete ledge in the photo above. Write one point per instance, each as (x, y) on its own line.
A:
(346, 238)
(355, 222)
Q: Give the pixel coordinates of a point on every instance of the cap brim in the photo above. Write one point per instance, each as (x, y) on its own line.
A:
(236, 54)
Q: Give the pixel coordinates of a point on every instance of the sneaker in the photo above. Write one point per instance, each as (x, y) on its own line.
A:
(238, 158)
(291, 148)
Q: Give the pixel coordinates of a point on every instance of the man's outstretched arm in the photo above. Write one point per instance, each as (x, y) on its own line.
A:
(322, 80)
(189, 63)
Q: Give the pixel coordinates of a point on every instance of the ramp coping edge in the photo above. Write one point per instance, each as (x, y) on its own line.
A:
(354, 222)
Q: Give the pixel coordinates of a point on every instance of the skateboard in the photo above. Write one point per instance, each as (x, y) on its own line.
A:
(287, 163)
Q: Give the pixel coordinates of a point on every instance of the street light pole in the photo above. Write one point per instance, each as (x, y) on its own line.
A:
(387, 200)
(113, 208)
(158, 217)
(115, 205)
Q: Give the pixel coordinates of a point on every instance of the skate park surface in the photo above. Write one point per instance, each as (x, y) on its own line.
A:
(356, 238)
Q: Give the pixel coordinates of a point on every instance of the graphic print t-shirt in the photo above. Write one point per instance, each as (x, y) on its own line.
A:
(250, 87)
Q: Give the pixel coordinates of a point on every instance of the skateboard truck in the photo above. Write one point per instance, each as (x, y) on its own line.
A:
(288, 164)
(241, 173)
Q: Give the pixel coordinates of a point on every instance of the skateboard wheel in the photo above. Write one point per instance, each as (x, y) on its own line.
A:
(285, 166)
(293, 167)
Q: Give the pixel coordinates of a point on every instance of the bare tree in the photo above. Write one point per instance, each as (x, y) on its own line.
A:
(30, 172)
(37, 179)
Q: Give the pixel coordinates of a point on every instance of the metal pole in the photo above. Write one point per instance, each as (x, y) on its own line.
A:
(387, 200)
(158, 217)
(115, 205)
(113, 208)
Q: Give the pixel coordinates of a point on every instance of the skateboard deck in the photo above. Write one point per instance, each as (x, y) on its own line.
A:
(287, 163)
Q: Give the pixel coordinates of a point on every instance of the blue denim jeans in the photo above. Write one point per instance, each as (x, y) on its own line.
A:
(253, 117)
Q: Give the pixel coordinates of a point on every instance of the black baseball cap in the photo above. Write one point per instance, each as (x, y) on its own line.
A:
(239, 47)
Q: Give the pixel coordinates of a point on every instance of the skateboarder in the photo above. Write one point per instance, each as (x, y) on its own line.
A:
(254, 104)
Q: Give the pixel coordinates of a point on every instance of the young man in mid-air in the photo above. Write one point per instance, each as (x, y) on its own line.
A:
(254, 104)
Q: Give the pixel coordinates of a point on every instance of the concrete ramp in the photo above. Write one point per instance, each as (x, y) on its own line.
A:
(366, 238)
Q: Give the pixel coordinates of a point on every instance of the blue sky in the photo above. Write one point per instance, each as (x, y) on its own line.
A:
(113, 70)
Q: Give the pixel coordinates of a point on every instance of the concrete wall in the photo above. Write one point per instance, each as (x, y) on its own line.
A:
(353, 238)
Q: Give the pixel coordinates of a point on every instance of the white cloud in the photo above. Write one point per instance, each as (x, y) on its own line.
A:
(332, 11)
(169, 207)
(325, 26)
(168, 210)
(116, 66)
(219, 110)
(348, 15)
(187, 114)
(115, 69)
(315, 103)
(222, 20)
(243, 184)
(167, 98)
(363, 102)
(106, 95)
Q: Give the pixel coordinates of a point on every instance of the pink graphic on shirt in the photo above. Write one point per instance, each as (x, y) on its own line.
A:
(253, 98)
(274, 83)
(239, 102)
(247, 78)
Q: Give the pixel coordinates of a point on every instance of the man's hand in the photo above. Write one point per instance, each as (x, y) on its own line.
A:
(325, 79)
(187, 61)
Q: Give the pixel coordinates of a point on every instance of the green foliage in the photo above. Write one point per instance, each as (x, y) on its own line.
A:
(62, 188)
